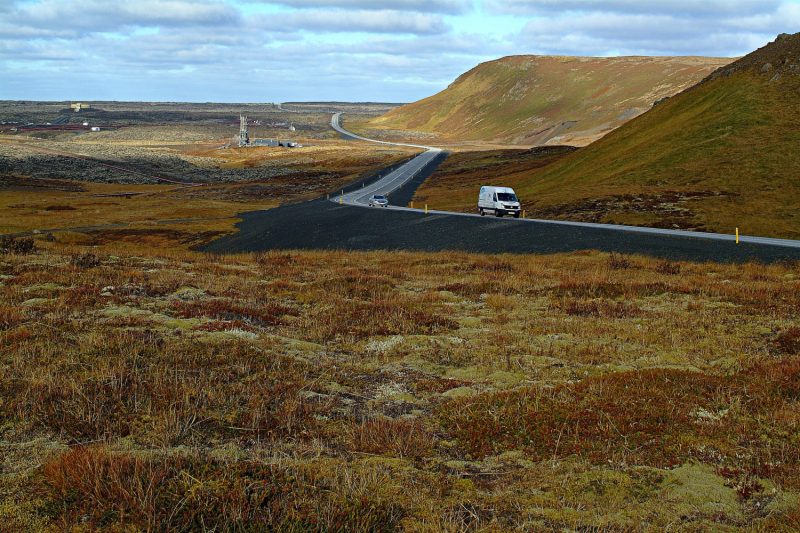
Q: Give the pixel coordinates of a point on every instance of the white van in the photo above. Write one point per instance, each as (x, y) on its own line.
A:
(498, 200)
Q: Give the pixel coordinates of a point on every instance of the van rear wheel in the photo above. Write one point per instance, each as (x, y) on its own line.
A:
(482, 212)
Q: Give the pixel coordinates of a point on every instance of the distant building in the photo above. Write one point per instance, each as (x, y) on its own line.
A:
(243, 138)
(265, 142)
(77, 107)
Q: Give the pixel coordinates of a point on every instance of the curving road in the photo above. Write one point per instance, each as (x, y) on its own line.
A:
(322, 224)
(390, 182)
(387, 185)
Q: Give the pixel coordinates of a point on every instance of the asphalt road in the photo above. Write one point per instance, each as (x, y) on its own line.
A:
(321, 224)
(391, 182)
(344, 223)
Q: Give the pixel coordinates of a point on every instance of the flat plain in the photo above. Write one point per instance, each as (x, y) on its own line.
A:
(147, 167)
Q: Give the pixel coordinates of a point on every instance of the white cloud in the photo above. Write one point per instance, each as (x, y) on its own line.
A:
(100, 15)
(625, 27)
(335, 21)
(674, 7)
(449, 7)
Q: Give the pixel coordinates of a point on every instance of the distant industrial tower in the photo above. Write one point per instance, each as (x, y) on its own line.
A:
(243, 139)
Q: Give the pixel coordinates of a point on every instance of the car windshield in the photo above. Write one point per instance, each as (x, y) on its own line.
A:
(379, 197)
(506, 197)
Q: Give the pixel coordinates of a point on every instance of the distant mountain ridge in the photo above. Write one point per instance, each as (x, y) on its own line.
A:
(537, 100)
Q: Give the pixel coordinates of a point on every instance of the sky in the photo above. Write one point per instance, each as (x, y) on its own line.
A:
(340, 50)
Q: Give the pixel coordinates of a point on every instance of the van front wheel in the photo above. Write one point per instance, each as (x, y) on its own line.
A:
(498, 213)
(516, 215)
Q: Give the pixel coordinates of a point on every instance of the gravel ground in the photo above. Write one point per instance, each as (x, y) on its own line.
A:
(165, 164)
(324, 225)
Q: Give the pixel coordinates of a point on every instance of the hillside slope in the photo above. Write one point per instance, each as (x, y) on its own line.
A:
(536, 100)
(721, 155)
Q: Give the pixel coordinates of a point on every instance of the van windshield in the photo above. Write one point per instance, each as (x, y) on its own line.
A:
(506, 197)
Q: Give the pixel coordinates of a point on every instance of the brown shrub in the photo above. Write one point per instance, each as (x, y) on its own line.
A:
(12, 245)
(581, 289)
(489, 265)
(499, 302)
(273, 259)
(619, 262)
(359, 285)
(93, 483)
(437, 385)
(646, 417)
(473, 289)
(359, 320)
(394, 437)
(668, 267)
(86, 260)
(80, 411)
(10, 318)
(194, 494)
(599, 308)
(266, 314)
(788, 341)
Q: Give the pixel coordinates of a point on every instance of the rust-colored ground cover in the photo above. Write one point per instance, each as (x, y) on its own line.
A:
(390, 391)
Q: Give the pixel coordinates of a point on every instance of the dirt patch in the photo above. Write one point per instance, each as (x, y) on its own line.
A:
(669, 206)
(11, 182)
(279, 188)
(152, 237)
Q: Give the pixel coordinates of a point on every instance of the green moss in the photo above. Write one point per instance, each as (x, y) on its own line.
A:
(696, 490)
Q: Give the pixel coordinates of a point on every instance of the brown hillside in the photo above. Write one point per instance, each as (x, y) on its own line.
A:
(722, 155)
(537, 100)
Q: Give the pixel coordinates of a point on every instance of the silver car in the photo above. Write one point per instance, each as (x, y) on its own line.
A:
(378, 201)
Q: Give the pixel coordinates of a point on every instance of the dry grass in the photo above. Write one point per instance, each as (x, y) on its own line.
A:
(526, 99)
(716, 158)
(332, 391)
(28, 204)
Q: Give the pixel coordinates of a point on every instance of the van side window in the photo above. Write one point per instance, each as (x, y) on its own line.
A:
(494, 197)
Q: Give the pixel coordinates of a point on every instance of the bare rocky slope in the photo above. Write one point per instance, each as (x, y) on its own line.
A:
(537, 100)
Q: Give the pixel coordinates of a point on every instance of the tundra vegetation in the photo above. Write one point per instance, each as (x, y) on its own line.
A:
(168, 390)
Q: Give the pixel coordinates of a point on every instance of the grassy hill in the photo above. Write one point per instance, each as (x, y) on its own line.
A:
(533, 100)
(724, 154)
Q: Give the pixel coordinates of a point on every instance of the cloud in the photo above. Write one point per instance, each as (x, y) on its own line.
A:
(674, 7)
(71, 18)
(448, 7)
(390, 50)
(47, 19)
(623, 27)
(116, 13)
(335, 21)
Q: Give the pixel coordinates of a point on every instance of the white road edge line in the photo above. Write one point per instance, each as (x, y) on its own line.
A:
(406, 172)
